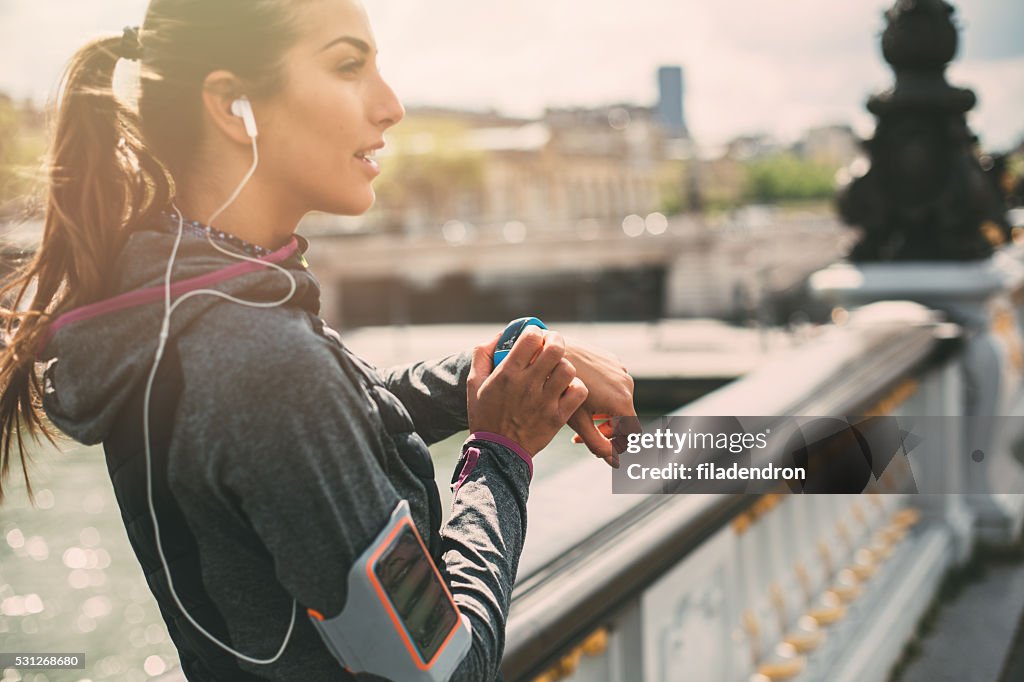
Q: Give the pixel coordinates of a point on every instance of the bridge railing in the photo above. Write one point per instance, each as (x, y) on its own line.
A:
(709, 587)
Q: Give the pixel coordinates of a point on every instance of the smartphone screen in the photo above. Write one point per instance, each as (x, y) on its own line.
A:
(417, 594)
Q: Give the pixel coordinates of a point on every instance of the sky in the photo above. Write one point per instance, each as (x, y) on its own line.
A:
(750, 66)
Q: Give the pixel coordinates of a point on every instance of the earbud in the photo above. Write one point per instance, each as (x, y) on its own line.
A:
(242, 108)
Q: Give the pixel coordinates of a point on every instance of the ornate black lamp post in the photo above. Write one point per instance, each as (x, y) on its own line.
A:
(931, 219)
(925, 197)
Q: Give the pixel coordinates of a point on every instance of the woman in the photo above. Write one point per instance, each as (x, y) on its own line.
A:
(255, 460)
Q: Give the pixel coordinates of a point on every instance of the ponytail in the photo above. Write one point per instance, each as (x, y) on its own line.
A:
(102, 182)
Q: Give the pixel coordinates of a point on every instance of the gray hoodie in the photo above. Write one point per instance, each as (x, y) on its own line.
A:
(283, 458)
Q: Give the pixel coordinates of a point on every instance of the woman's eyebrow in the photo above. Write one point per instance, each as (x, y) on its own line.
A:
(360, 45)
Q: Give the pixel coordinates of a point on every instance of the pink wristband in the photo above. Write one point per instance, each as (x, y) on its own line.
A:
(507, 442)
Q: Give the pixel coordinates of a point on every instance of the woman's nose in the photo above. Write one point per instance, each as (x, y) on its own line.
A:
(388, 110)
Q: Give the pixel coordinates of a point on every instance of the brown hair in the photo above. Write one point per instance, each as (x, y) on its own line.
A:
(111, 170)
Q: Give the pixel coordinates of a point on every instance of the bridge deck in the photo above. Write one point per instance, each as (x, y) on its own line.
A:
(972, 635)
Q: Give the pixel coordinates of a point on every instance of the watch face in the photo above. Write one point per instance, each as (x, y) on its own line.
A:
(419, 598)
(509, 336)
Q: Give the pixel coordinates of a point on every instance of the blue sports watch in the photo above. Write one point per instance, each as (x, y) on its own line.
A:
(512, 332)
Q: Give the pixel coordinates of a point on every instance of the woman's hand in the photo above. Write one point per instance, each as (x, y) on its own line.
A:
(610, 397)
(531, 394)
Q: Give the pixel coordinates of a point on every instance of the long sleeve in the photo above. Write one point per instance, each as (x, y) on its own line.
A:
(434, 393)
(304, 464)
(482, 543)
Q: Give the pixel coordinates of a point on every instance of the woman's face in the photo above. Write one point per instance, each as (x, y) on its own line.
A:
(331, 111)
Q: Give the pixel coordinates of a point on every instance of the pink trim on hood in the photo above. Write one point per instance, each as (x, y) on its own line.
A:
(152, 294)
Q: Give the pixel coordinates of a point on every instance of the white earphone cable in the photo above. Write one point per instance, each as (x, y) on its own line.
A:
(165, 325)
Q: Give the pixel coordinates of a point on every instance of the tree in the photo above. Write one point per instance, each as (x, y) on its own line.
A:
(786, 177)
(22, 145)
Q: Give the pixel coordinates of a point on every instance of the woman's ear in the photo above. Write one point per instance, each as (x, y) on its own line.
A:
(220, 90)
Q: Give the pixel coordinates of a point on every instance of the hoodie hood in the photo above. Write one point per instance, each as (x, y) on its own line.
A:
(97, 355)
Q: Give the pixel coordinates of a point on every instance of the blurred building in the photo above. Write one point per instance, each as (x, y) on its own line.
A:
(671, 96)
(483, 174)
(752, 147)
(834, 146)
(723, 181)
(487, 171)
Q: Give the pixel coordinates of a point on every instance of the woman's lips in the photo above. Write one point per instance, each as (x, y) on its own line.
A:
(368, 163)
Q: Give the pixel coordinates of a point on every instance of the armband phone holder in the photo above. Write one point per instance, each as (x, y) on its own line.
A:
(399, 620)
(512, 332)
